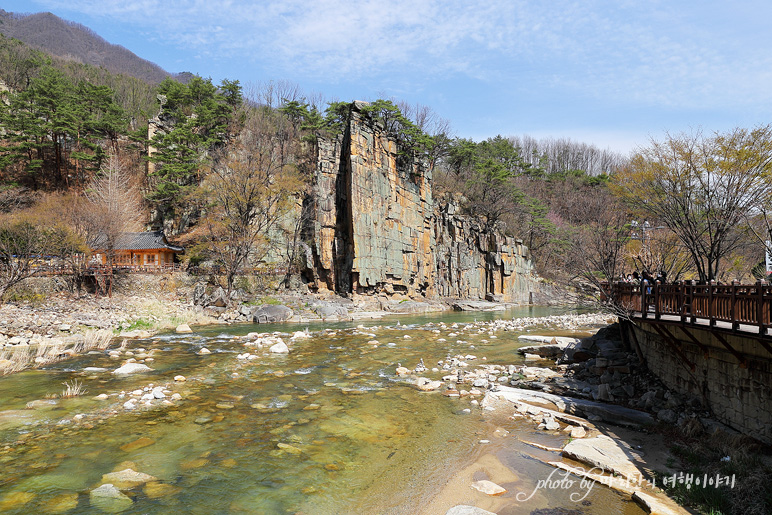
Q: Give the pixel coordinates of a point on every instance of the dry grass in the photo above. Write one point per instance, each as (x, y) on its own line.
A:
(15, 359)
(73, 389)
(51, 351)
(726, 455)
(97, 340)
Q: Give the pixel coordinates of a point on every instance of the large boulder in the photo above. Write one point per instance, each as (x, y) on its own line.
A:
(271, 313)
(199, 294)
(132, 368)
(328, 310)
(604, 453)
(409, 306)
(477, 305)
(218, 299)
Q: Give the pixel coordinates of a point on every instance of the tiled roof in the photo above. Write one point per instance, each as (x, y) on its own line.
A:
(139, 241)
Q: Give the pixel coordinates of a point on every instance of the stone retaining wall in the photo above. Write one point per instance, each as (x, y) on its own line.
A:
(739, 396)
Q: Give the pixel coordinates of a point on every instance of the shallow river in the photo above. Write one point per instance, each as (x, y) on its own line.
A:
(326, 429)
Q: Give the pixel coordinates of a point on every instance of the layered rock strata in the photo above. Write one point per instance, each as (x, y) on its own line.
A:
(377, 228)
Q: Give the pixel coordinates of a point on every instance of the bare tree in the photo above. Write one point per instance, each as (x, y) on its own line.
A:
(250, 187)
(22, 242)
(113, 207)
(702, 189)
(598, 246)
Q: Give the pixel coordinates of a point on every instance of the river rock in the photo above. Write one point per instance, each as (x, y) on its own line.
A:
(132, 368)
(409, 306)
(667, 416)
(477, 305)
(109, 499)
(126, 479)
(653, 505)
(613, 414)
(154, 490)
(270, 313)
(488, 487)
(463, 509)
(41, 403)
(183, 328)
(427, 385)
(553, 348)
(327, 310)
(15, 500)
(218, 299)
(62, 503)
(605, 453)
(279, 348)
(288, 448)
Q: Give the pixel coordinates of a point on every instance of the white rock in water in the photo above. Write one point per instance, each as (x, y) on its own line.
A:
(176, 397)
(132, 368)
(158, 393)
(426, 385)
(180, 378)
(126, 479)
(204, 350)
(463, 509)
(102, 397)
(298, 335)
(130, 404)
(280, 348)
(402, 371)
(183, 328)
(488, 487)
(109, 499)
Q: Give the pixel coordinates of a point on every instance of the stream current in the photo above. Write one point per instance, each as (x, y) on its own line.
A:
(326, 429)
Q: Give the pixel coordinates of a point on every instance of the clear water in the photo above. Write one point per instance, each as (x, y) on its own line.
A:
(328, 428)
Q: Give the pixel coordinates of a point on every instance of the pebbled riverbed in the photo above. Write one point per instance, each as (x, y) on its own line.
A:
(327, 428)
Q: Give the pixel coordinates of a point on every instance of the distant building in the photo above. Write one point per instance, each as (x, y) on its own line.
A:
(138, 249)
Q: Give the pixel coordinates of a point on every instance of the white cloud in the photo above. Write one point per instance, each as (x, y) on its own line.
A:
(672, 54)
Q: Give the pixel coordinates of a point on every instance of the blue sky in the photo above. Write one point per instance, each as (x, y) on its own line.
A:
(610, 73)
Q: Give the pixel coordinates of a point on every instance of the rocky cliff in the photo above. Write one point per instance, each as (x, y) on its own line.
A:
(376, 227)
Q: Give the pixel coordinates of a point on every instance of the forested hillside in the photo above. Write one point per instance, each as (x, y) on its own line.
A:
(223, 171)
(74, 42)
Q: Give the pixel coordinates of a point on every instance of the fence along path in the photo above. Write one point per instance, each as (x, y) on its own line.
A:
(741, 307)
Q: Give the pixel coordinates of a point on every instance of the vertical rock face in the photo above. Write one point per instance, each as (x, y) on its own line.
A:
(376, 227)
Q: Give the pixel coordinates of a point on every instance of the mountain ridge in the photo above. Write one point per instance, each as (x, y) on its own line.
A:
(70, 40)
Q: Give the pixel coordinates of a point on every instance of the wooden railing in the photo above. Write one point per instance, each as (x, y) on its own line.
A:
(60, 269)
(49, 270)
(747, 304)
